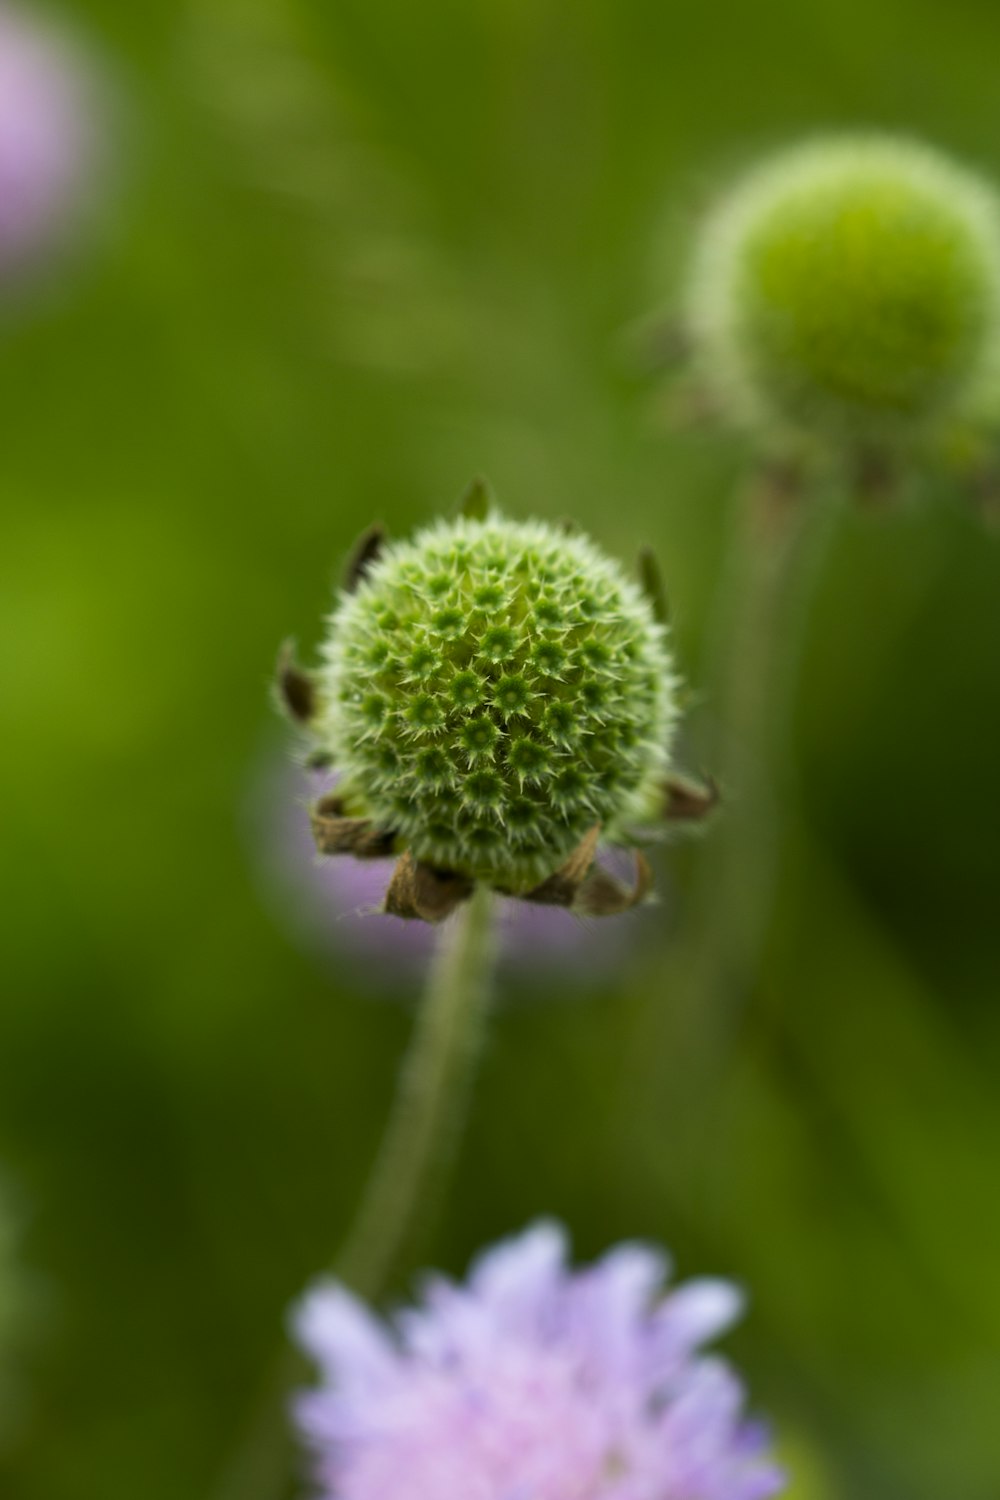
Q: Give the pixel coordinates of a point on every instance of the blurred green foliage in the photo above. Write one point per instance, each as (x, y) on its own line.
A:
(360, 252)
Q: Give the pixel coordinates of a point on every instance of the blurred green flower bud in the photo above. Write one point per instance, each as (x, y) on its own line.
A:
(847, 293)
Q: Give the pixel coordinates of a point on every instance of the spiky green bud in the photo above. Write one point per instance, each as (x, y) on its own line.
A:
(491, 691)
(850, 290)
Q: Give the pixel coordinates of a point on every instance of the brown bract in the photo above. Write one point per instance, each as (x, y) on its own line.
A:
(364, 552)
(688, 801)
(419, 891)
(294, 686)
(334, 832)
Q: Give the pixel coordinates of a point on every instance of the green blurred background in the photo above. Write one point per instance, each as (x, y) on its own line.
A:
(356, 253)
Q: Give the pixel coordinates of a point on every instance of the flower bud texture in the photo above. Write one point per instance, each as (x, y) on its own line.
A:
(850, 286)
(493, 689)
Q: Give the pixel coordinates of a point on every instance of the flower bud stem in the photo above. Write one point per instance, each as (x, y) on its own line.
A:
(425, 1123)
(778, 544)
(409, 1176)
(761, 628)
(771, 583)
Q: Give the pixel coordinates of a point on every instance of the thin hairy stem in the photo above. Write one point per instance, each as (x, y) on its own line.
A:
(754, 655)
(682, 1042)
(760, 634)
(409, 1176)
(430, 1105)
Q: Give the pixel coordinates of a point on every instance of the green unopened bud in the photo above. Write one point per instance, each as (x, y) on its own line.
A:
(849, 291)
(491, 692)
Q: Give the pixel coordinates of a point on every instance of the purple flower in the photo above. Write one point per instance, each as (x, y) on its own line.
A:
(45, 140)
(532, 1382)
(332, 906)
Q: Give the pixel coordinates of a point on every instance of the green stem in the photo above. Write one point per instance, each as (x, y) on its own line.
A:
(409, 1176)
(760, 631)
(755, 664)
(682, 1042)
(431, 1103)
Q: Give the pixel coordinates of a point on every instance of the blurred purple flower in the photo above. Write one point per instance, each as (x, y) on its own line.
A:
(332, 906)
(532, 1382)
(45, 140)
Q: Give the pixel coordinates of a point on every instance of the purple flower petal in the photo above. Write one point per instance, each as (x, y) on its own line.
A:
(45, 147)
(343, 1337)
(691, 1316)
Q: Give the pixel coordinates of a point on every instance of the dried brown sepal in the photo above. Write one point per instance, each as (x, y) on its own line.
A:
(336, 833)
(984, 492)
(363, 554)
(656, 345)
(688, 405)
(604, 895)
(560, 888)
(989, 513)
(876, 479)
(294, 686)
(774, 496)
(319, 760)
(652, 585)
(686, 801)
(477, 501)
(418, 892)
(331, 805)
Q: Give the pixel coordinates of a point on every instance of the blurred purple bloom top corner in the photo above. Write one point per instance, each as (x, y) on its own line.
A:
(46, 139)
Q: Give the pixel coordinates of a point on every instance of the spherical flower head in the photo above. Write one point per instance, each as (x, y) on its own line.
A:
(491, 691)
(45, 140)
(534, 1381)
(850, 288)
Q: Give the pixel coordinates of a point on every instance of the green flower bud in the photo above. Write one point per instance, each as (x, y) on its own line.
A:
(491, 691)
(849, 290)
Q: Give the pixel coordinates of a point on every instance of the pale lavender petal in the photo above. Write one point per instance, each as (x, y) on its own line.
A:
(519, 1279)
(610, 1303)
(447, 1325)
(342, 1336)
(691, 1316)
(707, 1406)
(45, 129)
